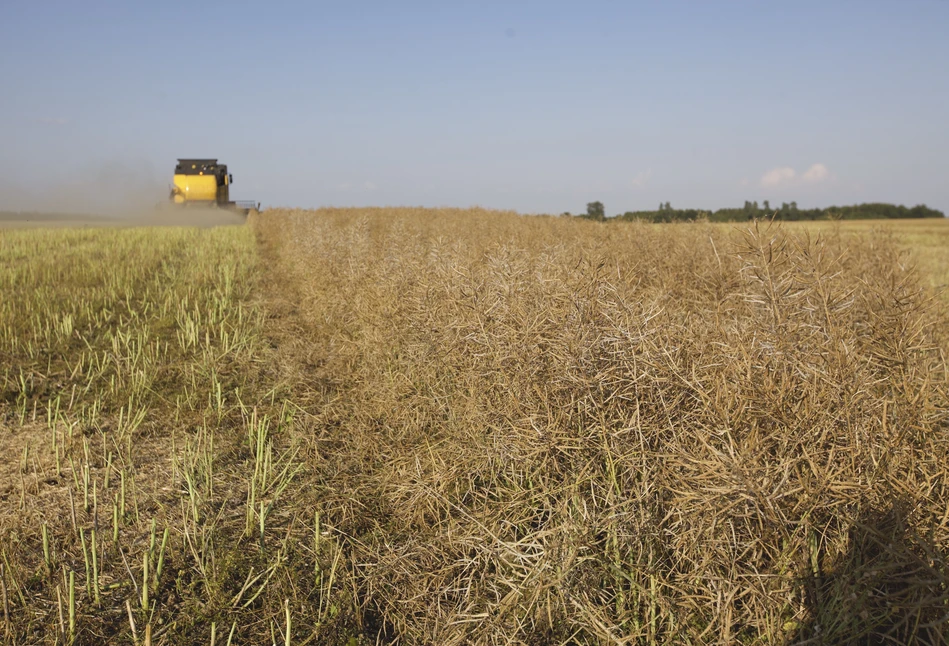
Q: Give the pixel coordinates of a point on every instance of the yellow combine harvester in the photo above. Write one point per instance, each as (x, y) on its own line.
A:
(205, 183)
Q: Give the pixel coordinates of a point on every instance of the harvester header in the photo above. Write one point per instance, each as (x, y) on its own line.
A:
(205, 182)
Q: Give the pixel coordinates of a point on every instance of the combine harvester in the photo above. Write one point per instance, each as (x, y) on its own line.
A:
(204, 183)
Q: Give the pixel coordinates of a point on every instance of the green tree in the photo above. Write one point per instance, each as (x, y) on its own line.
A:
(596, 211)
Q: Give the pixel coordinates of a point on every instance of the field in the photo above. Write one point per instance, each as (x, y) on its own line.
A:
(151, 217)
(411, 426)
(926, 239)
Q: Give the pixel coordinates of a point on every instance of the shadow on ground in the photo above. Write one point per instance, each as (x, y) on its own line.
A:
(890, 587)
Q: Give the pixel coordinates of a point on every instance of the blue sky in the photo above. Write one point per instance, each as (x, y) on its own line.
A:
(533, 106)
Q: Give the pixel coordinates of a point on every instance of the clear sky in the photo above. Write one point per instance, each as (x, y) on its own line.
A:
(533, 106)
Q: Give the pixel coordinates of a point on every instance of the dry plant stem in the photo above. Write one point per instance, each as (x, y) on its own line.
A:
(16, 586)
(6, 603)
(128, 608)
(72, 606)
(59, 607)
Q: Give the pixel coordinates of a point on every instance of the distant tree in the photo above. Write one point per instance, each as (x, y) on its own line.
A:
(767, 207)
(788, 211)
(596, 211)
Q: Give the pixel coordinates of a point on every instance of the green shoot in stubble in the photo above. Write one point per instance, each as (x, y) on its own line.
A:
(193, 504)
(85, 487)
(95, 566)
(161, 558)
(46, 555)
(145, 581)
(59, 469)
(21, 400)
(115, 523)
(122, 495)
(86, 563)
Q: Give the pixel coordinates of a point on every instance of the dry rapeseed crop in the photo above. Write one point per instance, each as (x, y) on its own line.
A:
(421, 426)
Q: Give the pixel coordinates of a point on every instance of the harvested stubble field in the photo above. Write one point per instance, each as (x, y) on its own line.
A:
(452, 427)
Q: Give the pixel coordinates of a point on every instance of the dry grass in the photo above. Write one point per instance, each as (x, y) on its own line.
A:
(928, 239)
(547, 431)
(451, 427)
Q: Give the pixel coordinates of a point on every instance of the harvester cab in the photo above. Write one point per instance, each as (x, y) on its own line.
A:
(205, 183)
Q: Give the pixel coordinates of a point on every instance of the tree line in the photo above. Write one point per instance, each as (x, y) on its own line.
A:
(752, 210)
